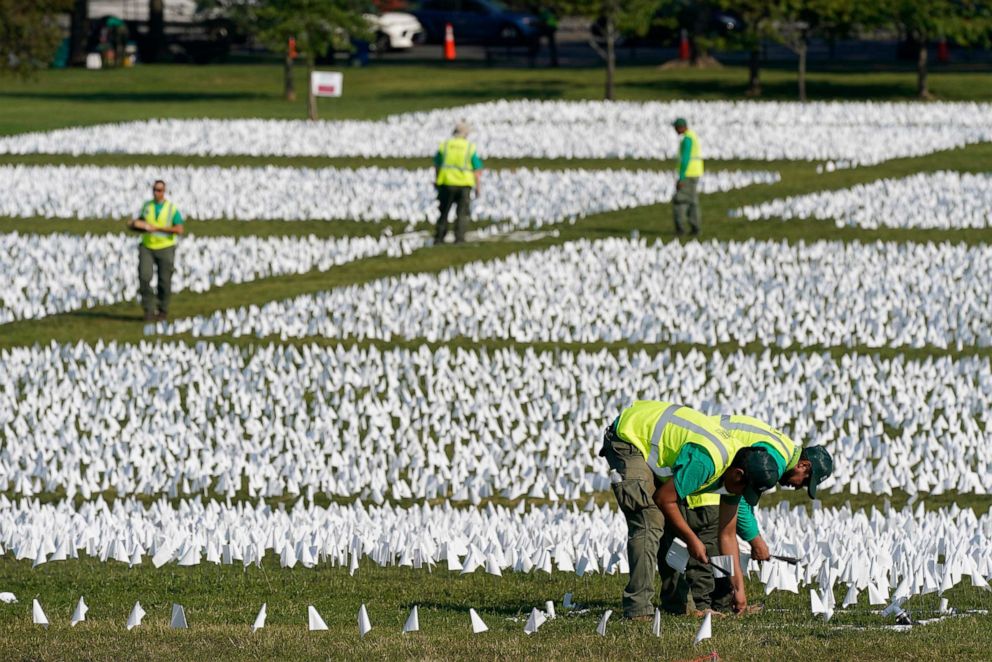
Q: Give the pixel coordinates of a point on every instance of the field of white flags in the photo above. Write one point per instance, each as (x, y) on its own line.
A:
(425, 429)
(945, 200)
(294, 421)
(839, 133)
(56, 273)
(827, 293)
(523, 197)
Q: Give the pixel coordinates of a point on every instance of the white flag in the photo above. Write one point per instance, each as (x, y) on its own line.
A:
(178, 621)
(364, 625)
(478, 625)
(706, 629)
(601, 628)
(412, 621)
(535, 621)
(260, 619)
(315, 621)
(38, 614)
(656, 625)
(137, 613)
(79, 615)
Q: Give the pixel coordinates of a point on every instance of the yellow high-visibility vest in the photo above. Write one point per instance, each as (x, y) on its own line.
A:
(159, 240)
(695, 167)
(456, 163)
(750, 431)
(660, 430)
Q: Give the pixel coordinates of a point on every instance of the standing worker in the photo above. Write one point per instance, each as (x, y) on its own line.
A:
(660, 453)
(458, 170)
(160, 222)
(795, 467)
(685, 203)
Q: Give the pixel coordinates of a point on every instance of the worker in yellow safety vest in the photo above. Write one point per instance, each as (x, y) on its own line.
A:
(685, 203)
(457, 172)
(160, 223)
(660, 453)
(795, 467)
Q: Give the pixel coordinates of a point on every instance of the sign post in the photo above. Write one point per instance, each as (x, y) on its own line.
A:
(324, 84)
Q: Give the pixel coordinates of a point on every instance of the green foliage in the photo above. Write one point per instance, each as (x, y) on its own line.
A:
(29, 34)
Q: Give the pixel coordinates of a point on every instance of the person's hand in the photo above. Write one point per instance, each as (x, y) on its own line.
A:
(759, 550)
(739, 602)
(697, 550)
(139, 225)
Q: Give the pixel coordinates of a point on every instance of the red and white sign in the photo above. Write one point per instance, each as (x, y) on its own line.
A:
(326, 83)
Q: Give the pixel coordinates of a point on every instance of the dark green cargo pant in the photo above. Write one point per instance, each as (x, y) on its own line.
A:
(645, 523)
(706, 591)
(685, 205)
(461, 197)
(164, 260)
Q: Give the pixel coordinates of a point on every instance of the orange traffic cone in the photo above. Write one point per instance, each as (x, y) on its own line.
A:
(449, 42)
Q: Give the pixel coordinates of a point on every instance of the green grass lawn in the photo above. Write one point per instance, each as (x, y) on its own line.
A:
(221, 602)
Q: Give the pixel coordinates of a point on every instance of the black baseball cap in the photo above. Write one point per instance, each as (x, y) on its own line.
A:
(760, 472)
(822, 465)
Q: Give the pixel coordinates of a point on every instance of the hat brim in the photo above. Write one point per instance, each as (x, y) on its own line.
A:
(814, 480)
(751, 495)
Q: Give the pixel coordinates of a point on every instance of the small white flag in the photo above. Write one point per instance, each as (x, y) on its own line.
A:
(38, 614)
(705, 630)
(477, 623)
(260, 619)
(315, 621)
(549, 609)
(137, 613)
(79, 614)
(656, 624)
(815, 603)
(567, 602)
(678, 556)
(178, 621)
(725, 564)
(364, 625)
(535, 621)
(8, 598)
(412, 621)
(943, 606)
(601, 628)
(852, 596)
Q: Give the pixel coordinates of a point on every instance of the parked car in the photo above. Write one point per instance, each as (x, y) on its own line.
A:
(394, 30)
(476, 22)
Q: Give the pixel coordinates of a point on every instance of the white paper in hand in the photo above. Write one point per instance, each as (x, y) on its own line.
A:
(678, 556)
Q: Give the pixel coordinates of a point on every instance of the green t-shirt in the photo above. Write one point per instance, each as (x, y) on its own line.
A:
(685, 155)
(693, 468)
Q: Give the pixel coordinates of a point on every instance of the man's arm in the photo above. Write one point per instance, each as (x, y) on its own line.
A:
(666, 498)
(728, 546)
(685, 155)
(747, 528)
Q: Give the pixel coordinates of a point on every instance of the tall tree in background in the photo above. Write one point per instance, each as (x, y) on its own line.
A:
(156, 30)
(757, 17)
(78, 30)
(965, 21)
(617, 16)
(314, 24)
(29, 34)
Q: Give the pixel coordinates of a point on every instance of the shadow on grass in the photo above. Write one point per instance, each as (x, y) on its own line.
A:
(780, 89)
(531, 89)
(106, 315)
(169, 96)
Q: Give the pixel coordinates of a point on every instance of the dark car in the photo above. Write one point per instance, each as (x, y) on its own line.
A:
(476, 22)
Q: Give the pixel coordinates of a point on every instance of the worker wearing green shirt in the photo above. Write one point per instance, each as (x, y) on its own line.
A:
(160, 223)
(660, 453)
(685, 203)
(795, 467)
(458, 170)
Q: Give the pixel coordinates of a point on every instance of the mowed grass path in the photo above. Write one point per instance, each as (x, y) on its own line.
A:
(221, 602)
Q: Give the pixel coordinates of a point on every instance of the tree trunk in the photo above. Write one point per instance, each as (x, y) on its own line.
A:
(311, 99)
(921, 71)
(78, 32)
(156, 29)
(754, 73)
(287, 78)
(801, 48)
(611, 54)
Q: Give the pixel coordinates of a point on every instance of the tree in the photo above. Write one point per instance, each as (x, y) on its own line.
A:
(314, 25)
(617, 16)
(78, 29)
(757, 17)
(965, 21)
(29, 34)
